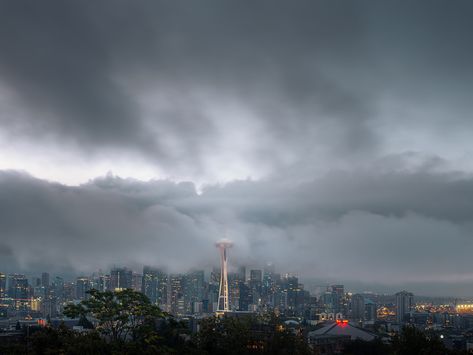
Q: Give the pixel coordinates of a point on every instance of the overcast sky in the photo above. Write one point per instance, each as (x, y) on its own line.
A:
(333, 138)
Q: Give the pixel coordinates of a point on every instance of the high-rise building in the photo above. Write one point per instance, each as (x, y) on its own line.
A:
(268, 281)
(289, 287)
(49, 308)
(149, 284)
(136, 282)
(121, 279)
(371, 310)
(69, 291)
(100, 282)
(338, 294)
(177, 301)
(45, 279)
(358, 307)
(194, 290)
(256, 285)
(155, 286)
(18, 290)
(83, 285)
(245, 298)
(234, 281)
(404, 306)
(3, 285)
(242, 273)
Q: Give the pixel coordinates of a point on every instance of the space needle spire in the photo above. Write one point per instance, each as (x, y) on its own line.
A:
(223, 305)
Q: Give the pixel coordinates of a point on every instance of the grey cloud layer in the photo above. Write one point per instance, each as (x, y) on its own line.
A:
(310, 74)
(373, 228)
(290, 92)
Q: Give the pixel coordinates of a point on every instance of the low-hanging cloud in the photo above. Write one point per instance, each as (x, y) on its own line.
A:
(377, 228)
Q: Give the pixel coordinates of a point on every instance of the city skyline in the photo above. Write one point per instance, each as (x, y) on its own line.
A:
(330, 138)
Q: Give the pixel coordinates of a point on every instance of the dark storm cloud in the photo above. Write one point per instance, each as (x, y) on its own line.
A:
(308, 72)
(328, 101)
(383, 228)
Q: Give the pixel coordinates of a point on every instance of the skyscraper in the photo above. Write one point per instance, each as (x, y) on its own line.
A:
(194, 290)
(45, 279)
(18, 290)
(3, 285)
(149, 284)
(177, 301)
(338, 296)
(83, 285)
(358, 307)
(136, 281)
(155, 286)
(121, 278)
(404, 305)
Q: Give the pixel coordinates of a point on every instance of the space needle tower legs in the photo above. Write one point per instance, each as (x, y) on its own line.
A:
(223, 305)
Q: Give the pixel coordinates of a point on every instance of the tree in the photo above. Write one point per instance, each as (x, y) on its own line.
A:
(119, 314)
(224, 335)
(248, 335)
(412, 341)
(63, 340)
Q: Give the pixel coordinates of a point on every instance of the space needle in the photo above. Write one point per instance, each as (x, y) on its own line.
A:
(222, 305)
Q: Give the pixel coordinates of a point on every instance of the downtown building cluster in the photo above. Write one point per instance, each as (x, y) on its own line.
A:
(328, 318)
(180, 294)
(196, 293)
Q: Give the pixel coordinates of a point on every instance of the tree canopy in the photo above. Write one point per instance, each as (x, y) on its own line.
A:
(118, 314)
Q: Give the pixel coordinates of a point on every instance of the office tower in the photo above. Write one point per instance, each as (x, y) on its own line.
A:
(211, 292)
(48, 307)
(289, 288)
(268, 280)
(338, 292)
(256, 285)
(83, 285)
(45, 279)
(105, 282)
(69, 291)
(177, 301)
(3, 285)
(327, 302)
(136, 282)
(404, 306)
(223, 305)
(215, 276)
(194, 290)
(155, 286)
(245, 298)
(18, 290)
(371, 310)
(149, 284)
(256, 279)
(163, 290)
(358, 307)
(242, 273)
(58, 288)
(234, 281)
(121, 279)
(100, 282)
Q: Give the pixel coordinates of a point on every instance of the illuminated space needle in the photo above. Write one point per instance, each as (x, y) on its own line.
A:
(223, 305)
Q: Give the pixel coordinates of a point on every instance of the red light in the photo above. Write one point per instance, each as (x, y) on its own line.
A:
(342, 322)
